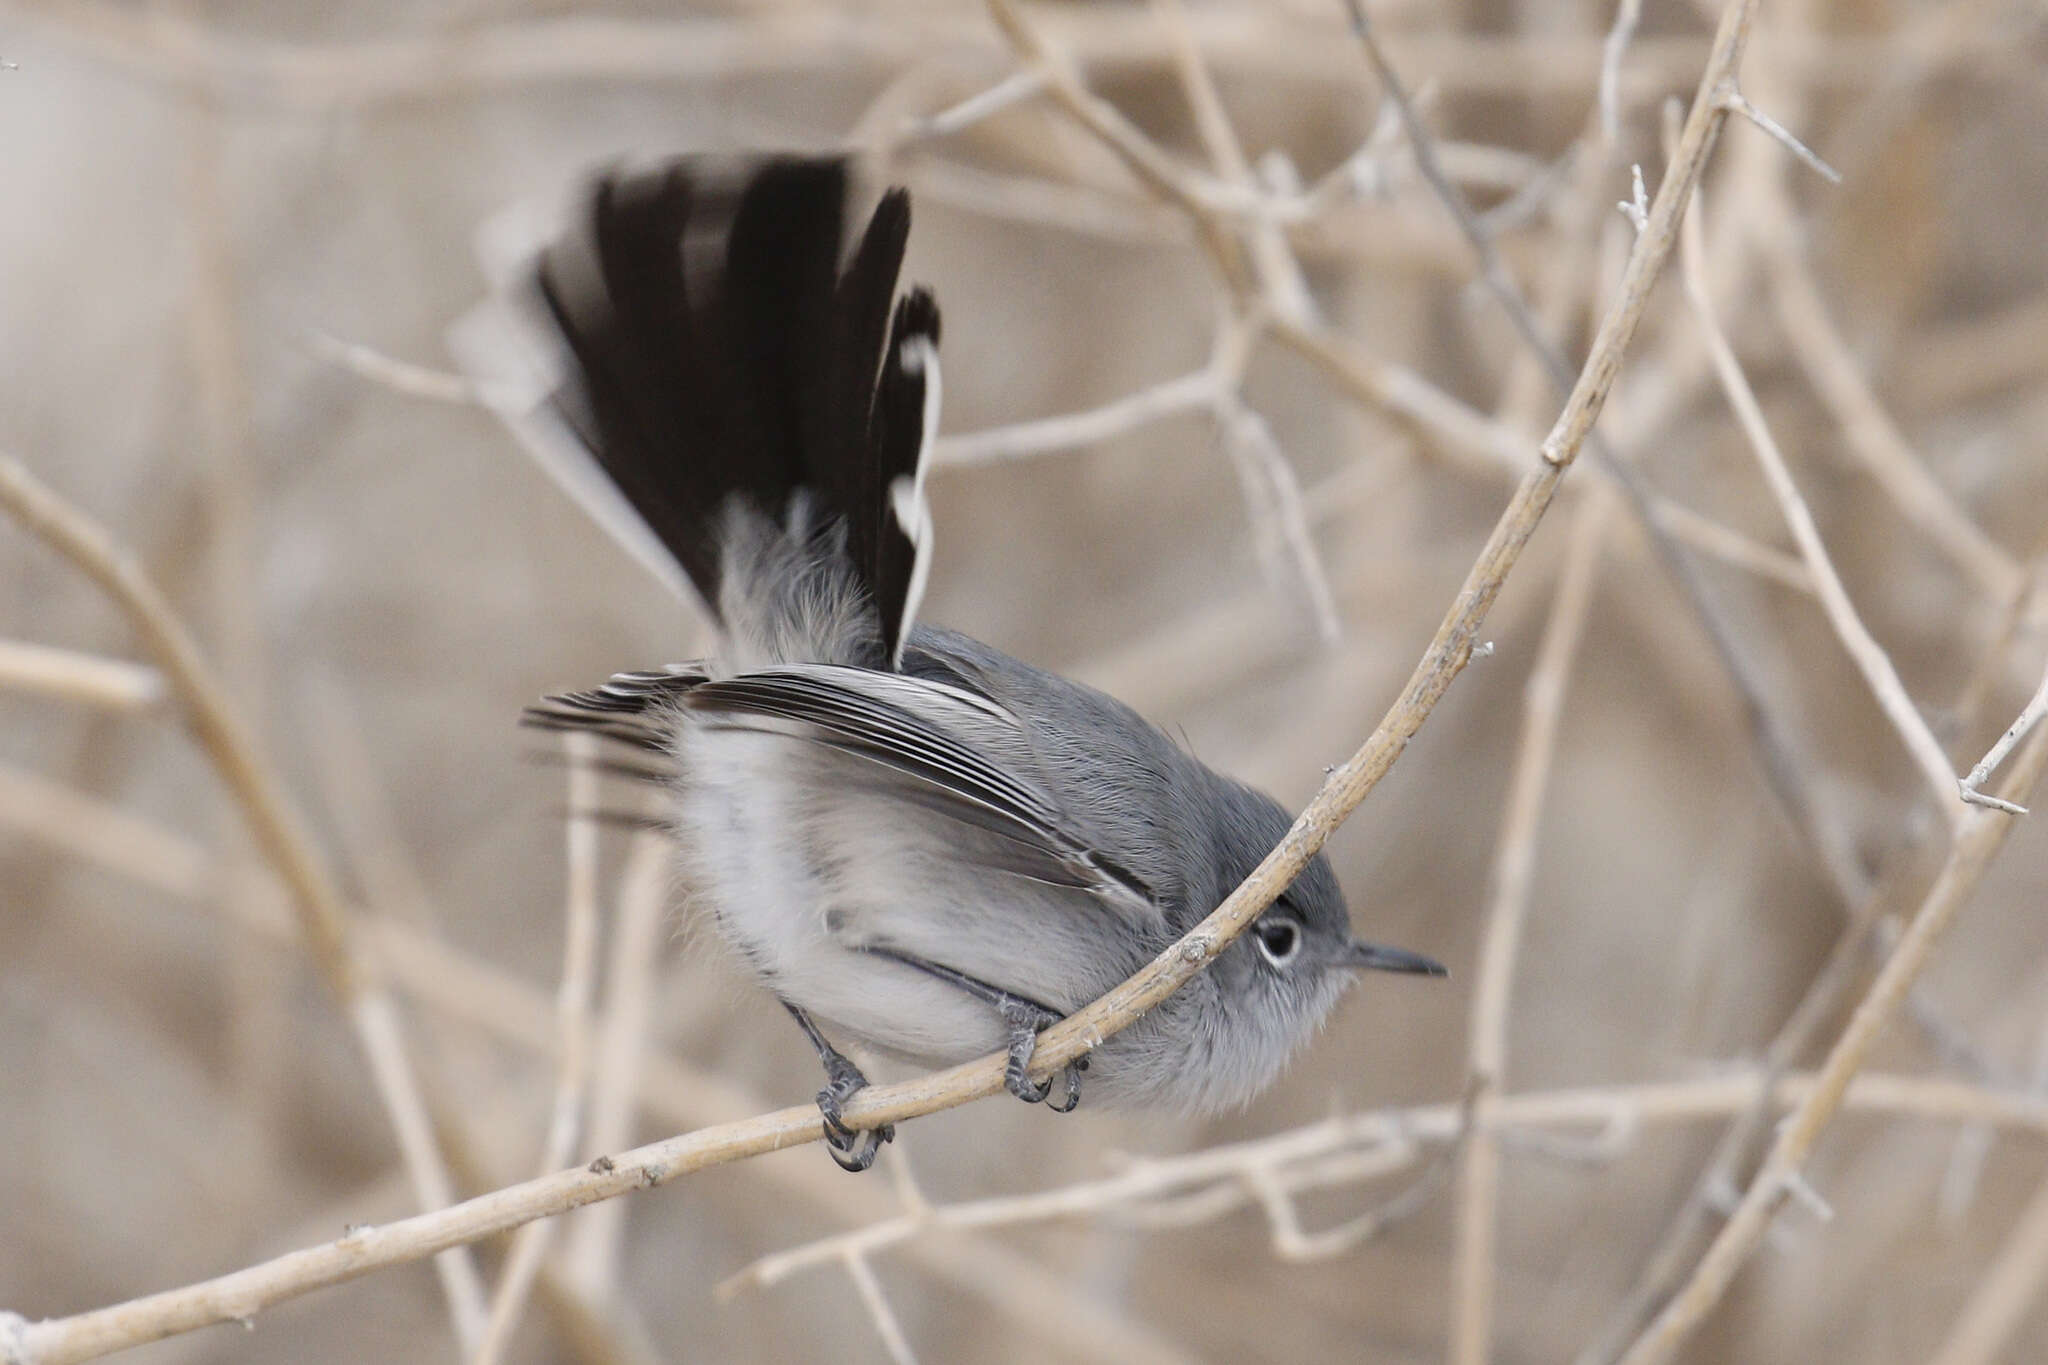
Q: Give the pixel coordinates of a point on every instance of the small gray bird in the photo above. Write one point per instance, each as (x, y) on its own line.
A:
(916, 842)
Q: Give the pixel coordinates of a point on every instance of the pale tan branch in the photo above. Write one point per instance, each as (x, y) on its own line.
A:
(1500, 940)
(400, 376)
(1870, 658)
(1980, 835)
(1199, 392)
(278, 829)
(1973, 785)
(513, 54)
(884, 1317)
(461, 988)
(1738, 103)
(592, 1247)
(115, 684)
(1868, 429)
(1171, 1192)
(2004, 1294)
(1627, 14)
(572, 1054)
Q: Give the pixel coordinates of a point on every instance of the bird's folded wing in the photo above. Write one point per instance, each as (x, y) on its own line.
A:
(941, 748)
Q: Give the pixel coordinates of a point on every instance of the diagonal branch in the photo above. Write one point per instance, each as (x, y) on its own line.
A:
(279, 831)
(1870, 658)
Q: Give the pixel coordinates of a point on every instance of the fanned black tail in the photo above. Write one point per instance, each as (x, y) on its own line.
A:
(723, 360)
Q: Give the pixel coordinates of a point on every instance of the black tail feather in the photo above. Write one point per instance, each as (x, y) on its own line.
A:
(721, 351)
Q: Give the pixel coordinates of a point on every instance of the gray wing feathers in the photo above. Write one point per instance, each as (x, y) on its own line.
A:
(941, 748)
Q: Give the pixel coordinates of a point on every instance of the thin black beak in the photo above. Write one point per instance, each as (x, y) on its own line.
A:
(1371, 955)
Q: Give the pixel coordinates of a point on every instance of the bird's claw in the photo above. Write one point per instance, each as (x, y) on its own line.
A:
(854, 1149)
(1025, 1021)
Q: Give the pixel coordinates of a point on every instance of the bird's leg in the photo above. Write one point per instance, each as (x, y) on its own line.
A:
(853, 1149)
(1021, 1017)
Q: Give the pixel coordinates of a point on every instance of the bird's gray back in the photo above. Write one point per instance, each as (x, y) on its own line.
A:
(1127, 788)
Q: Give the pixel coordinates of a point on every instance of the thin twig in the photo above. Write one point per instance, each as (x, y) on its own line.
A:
(572, 1057)
(1776, 748)
(1870, 658)
(1012, 90)
(1153, 168)
(1973, 785)
(464, 990)
(591, 1251)
(1500, 939)
(400, 376)
(1738, 103)
(278, 829)
(1868, 429)
(883, 1316)
(1198, 392)
(1627, 14)
(70, 675)
(1980, 835)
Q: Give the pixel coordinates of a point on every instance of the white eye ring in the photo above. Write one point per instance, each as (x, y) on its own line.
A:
(1278, 939)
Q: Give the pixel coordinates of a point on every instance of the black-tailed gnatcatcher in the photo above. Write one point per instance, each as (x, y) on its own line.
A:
(915, 841)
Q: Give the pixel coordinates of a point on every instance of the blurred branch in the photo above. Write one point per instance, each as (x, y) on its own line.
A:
(591, 1251)
(1153, 168)
(1981, 834)
(1201, 391)
(461, 988)
(90, 679)
(1501, 938)
(415, 381)
(278, 829)
(1870, 658)
(1207, 1185)
(884, 1317)
(1868, 429)
(485, 57)
(572, 1054)
(2004, 1293)
(1627, 14)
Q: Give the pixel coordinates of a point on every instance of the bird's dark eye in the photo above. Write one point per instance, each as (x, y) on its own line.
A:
(1278, 939)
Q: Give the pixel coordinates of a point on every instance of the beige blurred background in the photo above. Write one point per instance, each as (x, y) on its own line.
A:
(195, 195)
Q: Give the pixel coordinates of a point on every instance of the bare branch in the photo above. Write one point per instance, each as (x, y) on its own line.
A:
(1973, 785)
(1500, 943)
(1737, 103)
(572, 1056)
(1868, 429)
(277, 826)
(113, 683)
(1627, 14)
(1870, 658)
